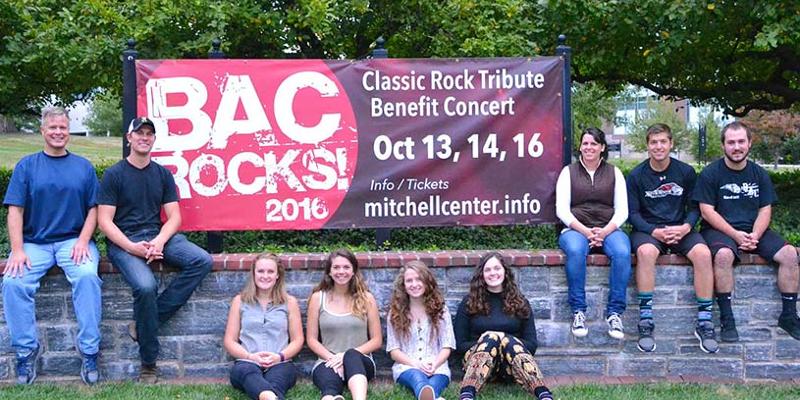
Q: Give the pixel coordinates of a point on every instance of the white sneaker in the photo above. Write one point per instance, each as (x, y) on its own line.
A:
(615, 327)
(579, 325)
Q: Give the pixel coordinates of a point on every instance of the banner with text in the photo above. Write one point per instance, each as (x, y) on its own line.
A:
(310, 144)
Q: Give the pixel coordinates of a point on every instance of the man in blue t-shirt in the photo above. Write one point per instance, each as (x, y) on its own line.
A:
(662, 213)
(52, 215)
(132, 195)
(736, 197)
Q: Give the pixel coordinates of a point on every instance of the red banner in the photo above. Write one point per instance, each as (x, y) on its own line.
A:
(310, 144)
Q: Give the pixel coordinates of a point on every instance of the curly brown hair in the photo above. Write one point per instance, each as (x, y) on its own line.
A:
(513, 301)
(357, 287)
(433, 300)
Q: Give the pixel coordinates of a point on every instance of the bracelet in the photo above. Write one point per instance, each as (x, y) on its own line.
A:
(282, 358)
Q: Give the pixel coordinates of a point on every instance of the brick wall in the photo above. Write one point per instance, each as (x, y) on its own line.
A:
(192, 341)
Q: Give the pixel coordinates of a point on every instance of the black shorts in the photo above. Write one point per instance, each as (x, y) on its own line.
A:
(769, 244)
(683, 247)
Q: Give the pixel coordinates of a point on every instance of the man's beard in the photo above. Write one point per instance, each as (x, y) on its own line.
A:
(728, 156)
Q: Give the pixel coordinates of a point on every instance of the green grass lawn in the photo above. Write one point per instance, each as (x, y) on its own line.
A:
(306, 391)
(96, 149)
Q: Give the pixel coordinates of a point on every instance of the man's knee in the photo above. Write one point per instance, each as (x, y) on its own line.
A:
(646, 254)
(786, 256)
(724, 258)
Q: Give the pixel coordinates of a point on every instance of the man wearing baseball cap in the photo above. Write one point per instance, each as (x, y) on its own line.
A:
(132, 195)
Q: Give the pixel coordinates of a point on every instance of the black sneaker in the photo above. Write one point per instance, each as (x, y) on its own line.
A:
(26, 367)
(791, 325)
(646, 342)
(728, 332)
(704, 332)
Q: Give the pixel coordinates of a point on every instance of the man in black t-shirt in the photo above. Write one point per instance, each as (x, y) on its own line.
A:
(662, 213)
(132, 195)
(736, 197)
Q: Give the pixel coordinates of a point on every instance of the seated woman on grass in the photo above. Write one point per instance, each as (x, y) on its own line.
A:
(495, 330)
(343, 329)
(263, 333)
(419, 332)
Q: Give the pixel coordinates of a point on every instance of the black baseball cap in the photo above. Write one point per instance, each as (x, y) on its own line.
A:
(137, 124)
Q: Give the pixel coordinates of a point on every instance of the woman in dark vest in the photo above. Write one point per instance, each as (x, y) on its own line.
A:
(263, 333)
(592, 202)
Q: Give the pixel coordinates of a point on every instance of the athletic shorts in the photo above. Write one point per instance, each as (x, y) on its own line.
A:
(769, 244)
(683, 247)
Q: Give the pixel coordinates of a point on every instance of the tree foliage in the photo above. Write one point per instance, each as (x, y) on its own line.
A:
(660, 112)
(739, 55)
(106, 114)
(773, 133)
(592, 106)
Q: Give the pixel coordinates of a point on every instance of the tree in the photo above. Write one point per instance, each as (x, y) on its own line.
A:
(771, 130)
(660, 112)
(713, 143)
(592, 106)
(737, 55)
(106, 114)
(69, 49)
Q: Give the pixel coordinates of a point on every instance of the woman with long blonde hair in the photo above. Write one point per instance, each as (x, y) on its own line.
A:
(419, 332)
(343, 329)
(264, 331)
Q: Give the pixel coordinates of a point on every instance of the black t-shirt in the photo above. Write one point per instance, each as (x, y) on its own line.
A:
(736, 195)
(138, 195)
(659, 199)
(468, 328)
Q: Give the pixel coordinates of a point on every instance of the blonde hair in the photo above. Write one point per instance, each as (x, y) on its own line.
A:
(357, 287)
(278, 292)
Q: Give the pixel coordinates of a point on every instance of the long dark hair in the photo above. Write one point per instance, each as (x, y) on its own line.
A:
(513, 301)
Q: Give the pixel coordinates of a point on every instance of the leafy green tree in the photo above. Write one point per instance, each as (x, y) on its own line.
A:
(592, 105)
(106, 114)
(659, 112)
(713, 144)
(737, 55)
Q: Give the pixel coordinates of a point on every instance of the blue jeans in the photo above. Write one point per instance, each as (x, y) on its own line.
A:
(415, 380)
(18, 295)
(150, 309)
(617, 247)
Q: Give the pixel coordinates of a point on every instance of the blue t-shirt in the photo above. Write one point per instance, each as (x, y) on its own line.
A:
(138, 195)
(736, 195)
(56, 193)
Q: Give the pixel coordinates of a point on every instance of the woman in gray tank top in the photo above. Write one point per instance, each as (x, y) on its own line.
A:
(263, 333)
(343, 329)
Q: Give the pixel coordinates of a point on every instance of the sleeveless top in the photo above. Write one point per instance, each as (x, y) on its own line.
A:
(340, 332)
(592, 198)
(264, 330)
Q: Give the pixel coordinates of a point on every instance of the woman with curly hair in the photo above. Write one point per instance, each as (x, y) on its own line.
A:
(495, 330)
(419, 332)
(343, 329)
(264, 331)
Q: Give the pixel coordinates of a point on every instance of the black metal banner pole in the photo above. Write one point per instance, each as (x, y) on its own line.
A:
(215, 241)
(564, 51)
(383, 236)
(129, 56)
